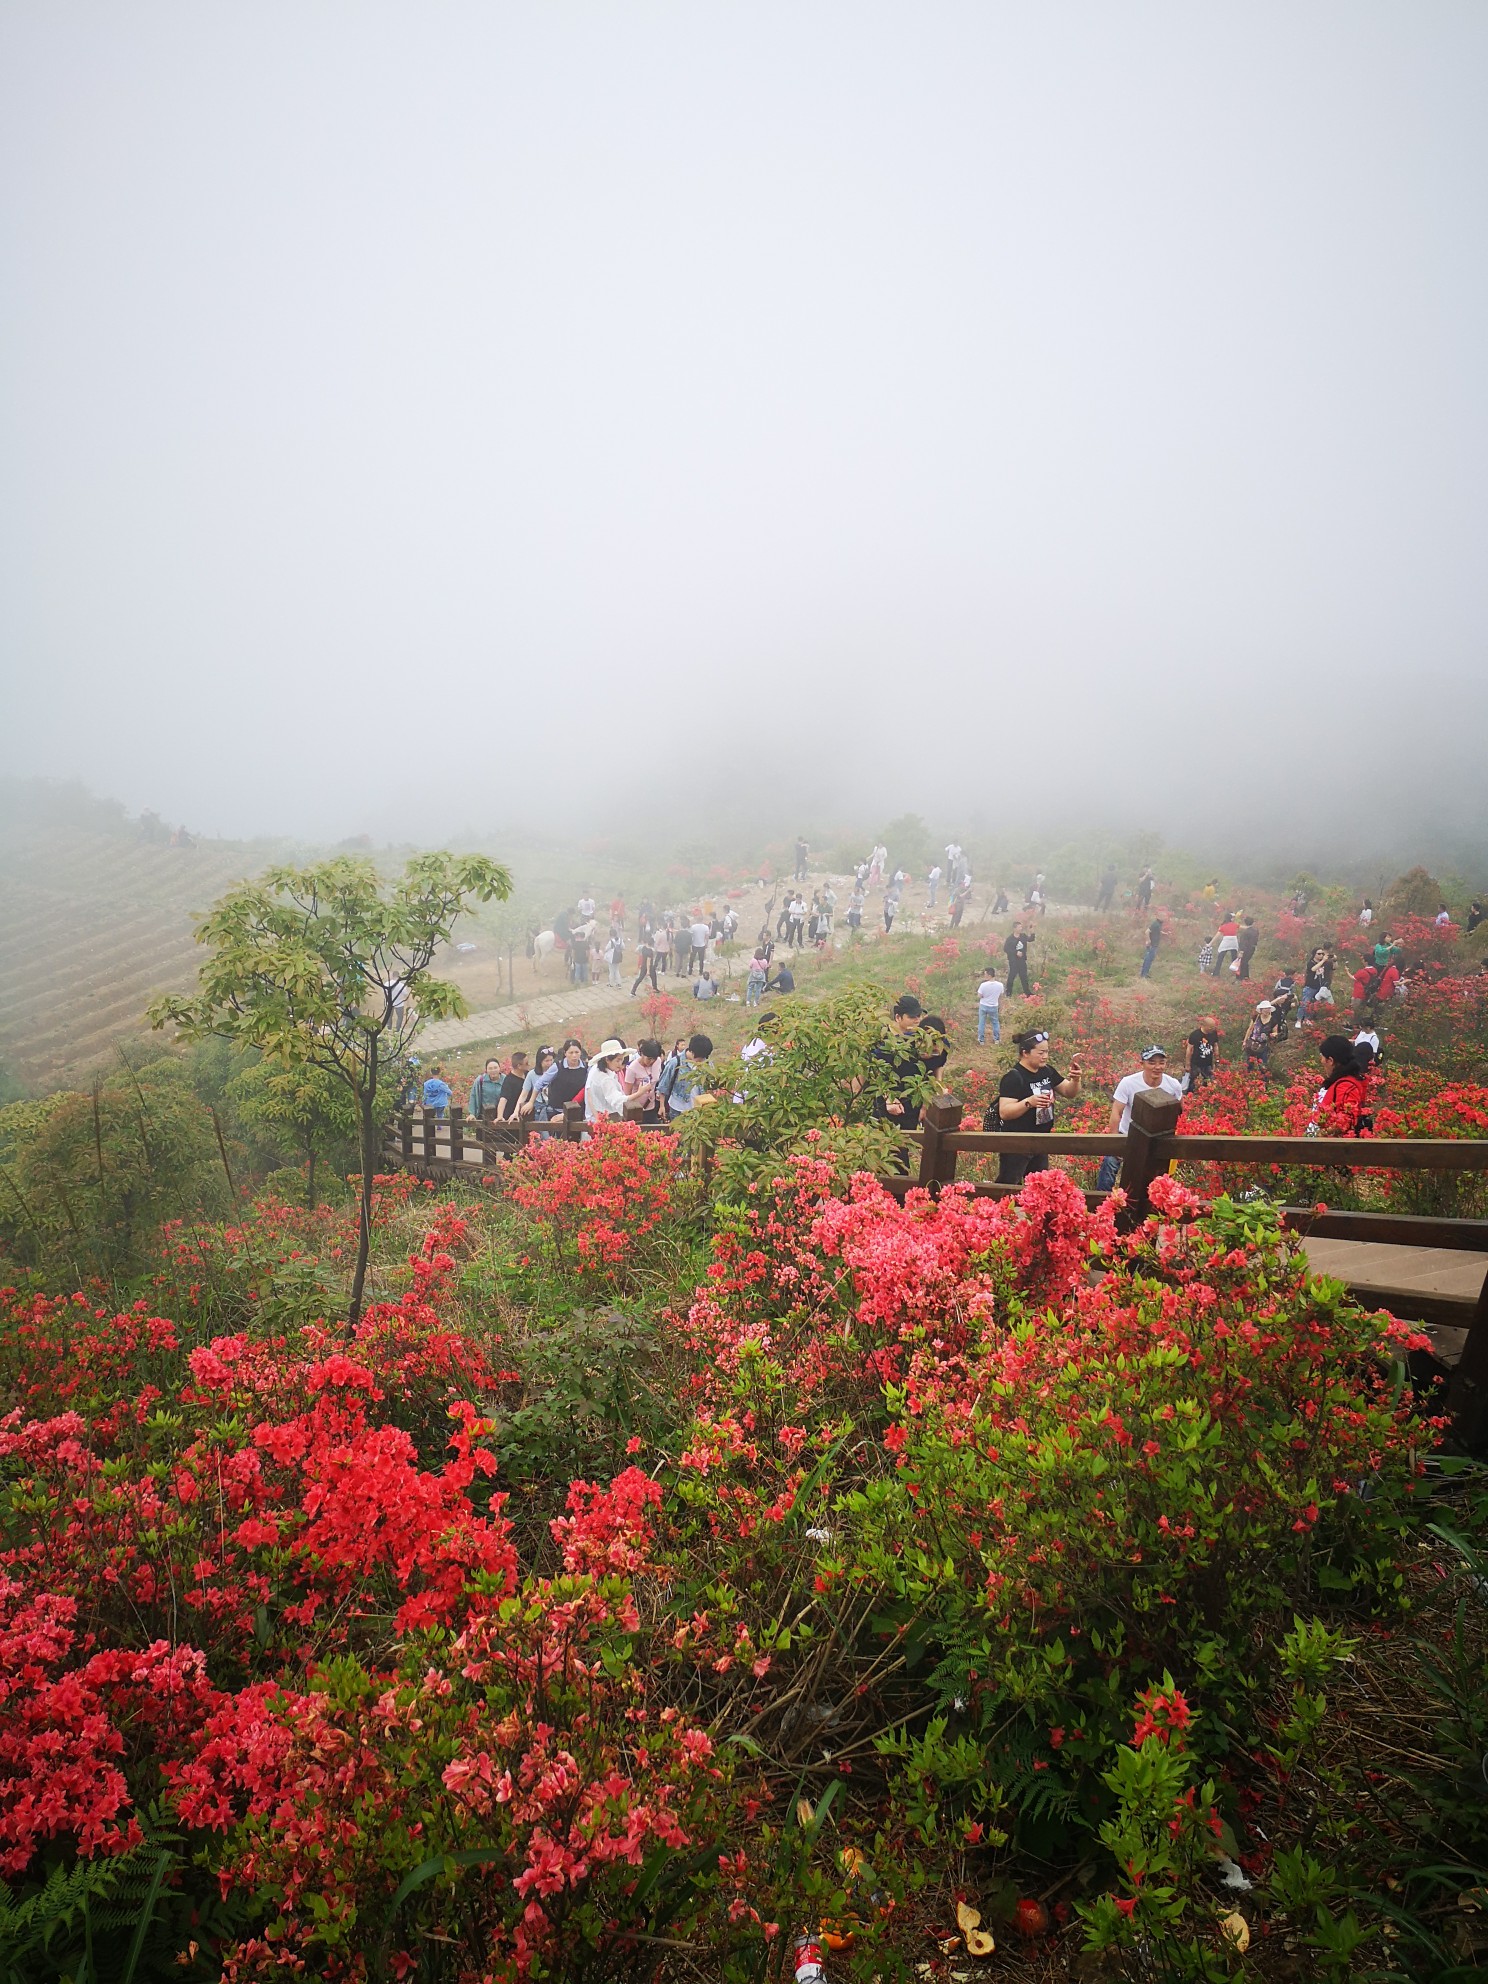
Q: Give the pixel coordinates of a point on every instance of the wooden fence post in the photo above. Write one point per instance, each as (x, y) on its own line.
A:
(573, 1121)
(405, 1136)
(941, 1115)
(1467, 1388)
(1154, 1114)
(457, 1133)
(431, 1136)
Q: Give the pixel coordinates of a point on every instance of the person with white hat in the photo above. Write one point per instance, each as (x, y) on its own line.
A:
(1256, 1047)
(604, 1092)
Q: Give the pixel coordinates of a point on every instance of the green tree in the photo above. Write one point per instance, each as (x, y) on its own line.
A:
(300, 1108)
(85, 1176)
(327, 967)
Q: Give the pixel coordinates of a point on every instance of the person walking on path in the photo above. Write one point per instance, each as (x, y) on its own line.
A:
(485, 1091)
(1153, 1074)
(989, 1007)
(615, 954)
(648, 959)
(1154, 938)
(1248, 938)
(1016, 951)
(1201, 1054)
(1025, 1101)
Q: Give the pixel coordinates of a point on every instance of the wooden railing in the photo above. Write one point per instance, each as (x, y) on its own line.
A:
(423, 1141)
(1152, 1145)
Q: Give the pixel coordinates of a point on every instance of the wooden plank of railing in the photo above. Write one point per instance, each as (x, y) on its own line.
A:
(1387, 1229)
(1352, 1153)
(1070, 1143)
(405, 1137)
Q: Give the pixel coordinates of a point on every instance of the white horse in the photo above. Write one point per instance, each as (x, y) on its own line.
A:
(540, 945)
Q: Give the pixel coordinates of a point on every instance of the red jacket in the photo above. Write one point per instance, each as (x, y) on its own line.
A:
(1344, 1100)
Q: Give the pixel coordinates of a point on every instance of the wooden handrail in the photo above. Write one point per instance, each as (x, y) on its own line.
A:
(1352, 1153)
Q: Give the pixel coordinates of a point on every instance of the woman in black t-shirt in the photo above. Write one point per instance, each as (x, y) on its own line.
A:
(568, 1084)
(1025, 1101)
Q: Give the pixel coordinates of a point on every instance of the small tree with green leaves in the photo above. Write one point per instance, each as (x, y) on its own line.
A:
(300, 1109)
(328, 967)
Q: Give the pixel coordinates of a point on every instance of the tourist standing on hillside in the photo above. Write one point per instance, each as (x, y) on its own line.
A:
(933, 884)
(891, 904)
(855, 910)
(1366, 914)
(960, 897)
(1255, 1049)
(803, 858)
(1249, 937)
(901, 1058)
(1317, 978)
(648, 961)
(1153, 1074)
(1340, 1105)
(1105, 895)
(754, 984)
(1016, 951)
(485, 1091)
(614, 954)
(1146, 882)
(1025, 1101)
(1154, 938)
(1201, 1053)
(878, 860)
(989, 1007)
(1474, 915)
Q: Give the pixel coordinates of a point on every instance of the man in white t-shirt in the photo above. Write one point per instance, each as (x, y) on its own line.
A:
(697, 938)
(933, 878)
(989, 1008)
(1153, 1074)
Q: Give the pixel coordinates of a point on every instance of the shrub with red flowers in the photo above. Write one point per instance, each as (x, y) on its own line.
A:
(600, 1206)
(513, 1787)
(1141, 1478)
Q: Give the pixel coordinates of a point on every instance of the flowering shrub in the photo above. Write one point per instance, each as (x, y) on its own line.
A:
(1139, 1479)
(598, 1203)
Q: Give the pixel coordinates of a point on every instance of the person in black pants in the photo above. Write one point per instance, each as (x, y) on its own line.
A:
(1016, 949)
(646, 958)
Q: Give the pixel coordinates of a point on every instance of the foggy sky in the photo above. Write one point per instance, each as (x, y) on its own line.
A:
(409, 410)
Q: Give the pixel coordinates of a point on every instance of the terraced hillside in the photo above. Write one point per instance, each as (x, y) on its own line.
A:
(94, 920)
